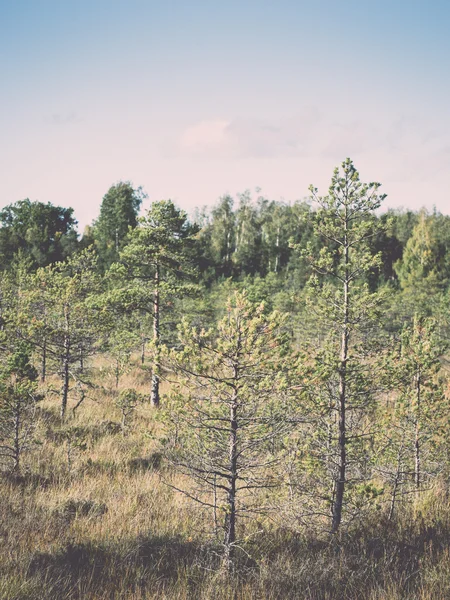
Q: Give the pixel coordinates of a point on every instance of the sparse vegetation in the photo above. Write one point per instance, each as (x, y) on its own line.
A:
(308, 422)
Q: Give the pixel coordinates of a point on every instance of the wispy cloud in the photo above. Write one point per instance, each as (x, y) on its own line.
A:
(63, 118)
(413, 144)
(247, 137)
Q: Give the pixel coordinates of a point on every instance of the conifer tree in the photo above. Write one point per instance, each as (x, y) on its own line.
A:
(17, 406)
(156, 267)
(345, 311)
(412, 421)
(421, 392)
(63, 323)
(420, 271)
(229, 410)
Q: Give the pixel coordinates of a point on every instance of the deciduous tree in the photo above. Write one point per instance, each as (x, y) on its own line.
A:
(42, 233)
(118, 212)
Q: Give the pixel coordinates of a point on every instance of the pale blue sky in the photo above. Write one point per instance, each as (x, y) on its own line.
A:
(195, 99)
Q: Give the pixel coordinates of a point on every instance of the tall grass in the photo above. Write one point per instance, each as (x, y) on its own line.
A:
(111, 529)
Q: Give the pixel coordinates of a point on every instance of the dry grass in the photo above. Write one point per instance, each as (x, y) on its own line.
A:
(111, 529)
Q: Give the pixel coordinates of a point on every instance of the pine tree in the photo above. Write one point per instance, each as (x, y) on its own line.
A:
(421, 394)
(412, 421)
(155, 268)
(420, 271)
(58, 319)
(229, 411)
(345, 311)
(17, 406)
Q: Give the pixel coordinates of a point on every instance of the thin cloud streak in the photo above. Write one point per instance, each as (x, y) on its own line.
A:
(411, 149)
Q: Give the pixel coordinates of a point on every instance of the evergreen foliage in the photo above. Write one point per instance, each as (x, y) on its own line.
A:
(228, 412)
(345, 311)
(156, 268)
(17, 407)
(300, 354)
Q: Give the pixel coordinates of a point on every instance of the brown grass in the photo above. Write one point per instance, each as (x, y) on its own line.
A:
(111, 529)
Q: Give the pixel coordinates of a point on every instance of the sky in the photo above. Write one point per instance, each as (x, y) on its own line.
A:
(195, 99)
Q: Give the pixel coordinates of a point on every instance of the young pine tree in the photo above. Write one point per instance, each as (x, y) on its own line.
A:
(229, 411)
(421, 392)
(345, 312)
(59, 320)
(155, 269)
(413, 419)
(17, 407)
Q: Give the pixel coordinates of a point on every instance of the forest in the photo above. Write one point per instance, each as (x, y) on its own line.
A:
(249, 402)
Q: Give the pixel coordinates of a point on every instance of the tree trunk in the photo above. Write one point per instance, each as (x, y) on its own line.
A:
(143, 352)
(230, 518)
(216, 522)
(342, 401)
(342, 441)
(417, 449)
(44, 361)
(277, 258)
(44, 351)
(81, 360)
(117, 373)
(65, 365)
(395, 486)
(331, 464)
(154, 397)
(16, 453)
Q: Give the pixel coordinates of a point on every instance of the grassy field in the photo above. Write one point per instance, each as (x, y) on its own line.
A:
(109, 527)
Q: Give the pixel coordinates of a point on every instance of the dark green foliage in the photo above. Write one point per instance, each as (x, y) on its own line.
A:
(64, 324)
(37, 232)
(221, 236)
(255, 238)
(118, 212)
(17, 407)
(156, 268)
